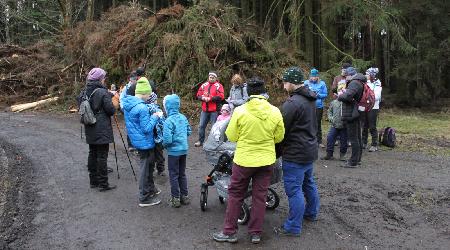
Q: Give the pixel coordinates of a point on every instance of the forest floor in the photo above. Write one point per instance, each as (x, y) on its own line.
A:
(396, 199)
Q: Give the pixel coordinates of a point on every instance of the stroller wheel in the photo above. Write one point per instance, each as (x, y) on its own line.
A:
(273, 200)
(203, 197)
(245, 214)
(221, 199)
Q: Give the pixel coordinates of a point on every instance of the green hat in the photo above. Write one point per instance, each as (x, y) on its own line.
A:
(143, 87)
(293, 75)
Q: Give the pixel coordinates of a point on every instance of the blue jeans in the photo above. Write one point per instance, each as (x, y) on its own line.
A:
(299, 185)
(177, 175)
(333, 133)
(205, 117)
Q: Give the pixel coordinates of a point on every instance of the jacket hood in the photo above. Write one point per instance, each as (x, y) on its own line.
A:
(259, 107)
(306, 92)
(360, 77)
(172, 104)
(130, 101)
(93, 84)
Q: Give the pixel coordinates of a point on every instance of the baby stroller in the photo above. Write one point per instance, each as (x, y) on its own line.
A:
(220, 177)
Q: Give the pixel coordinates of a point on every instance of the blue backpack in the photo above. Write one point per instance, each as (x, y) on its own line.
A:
(387, 137)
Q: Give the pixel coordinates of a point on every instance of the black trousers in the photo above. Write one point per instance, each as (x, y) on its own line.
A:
(369, 124)
(159, 157)
(354, 136)
(97, 164)
(319, 114)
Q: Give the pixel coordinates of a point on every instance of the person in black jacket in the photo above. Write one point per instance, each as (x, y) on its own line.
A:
(299, 150)
(350, 114)
(100, 134)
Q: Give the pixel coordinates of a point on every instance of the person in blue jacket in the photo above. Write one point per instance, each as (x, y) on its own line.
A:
(175, 140)
(140, 125)
(319, 87)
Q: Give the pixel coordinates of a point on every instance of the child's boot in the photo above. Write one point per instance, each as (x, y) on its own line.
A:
(175, 202)
(185, 200)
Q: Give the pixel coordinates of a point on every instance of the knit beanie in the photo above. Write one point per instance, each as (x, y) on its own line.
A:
(153, 97)
(96, 74)
(255, 86)
(293, 75)
(143, 87)
(226, 107)
(314, 73)
(372, 72)
(350, 71)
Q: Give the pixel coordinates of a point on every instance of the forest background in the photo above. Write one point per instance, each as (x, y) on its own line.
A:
(48, 45)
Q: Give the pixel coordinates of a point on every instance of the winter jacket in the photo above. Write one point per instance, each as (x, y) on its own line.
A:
(376, 87)
(300, 122)
(176, 127)
(238, 95)
(320, 88)
(213, 91)
(101, 132)
(351, 97)
(256, 126)
(334, 114)
(139, 122)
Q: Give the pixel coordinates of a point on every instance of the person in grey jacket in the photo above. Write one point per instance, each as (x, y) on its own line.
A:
(238, 92)
(337, 129)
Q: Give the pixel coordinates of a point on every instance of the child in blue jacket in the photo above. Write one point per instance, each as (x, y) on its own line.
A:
(175, 140)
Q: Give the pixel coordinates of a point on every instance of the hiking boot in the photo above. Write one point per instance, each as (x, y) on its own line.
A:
(175, 202)
(255, 238)
(282, 232)
(150, 202)
(348, 165)
(373, 148)
(342, 157)
(185, 200)
(107, 188)
(327, 157)
(221, 237)
(198, 144)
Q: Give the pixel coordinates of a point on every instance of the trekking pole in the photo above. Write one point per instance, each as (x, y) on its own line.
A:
(126, 149)
(115, 155)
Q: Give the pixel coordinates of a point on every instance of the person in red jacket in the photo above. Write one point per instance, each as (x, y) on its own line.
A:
(210, 94)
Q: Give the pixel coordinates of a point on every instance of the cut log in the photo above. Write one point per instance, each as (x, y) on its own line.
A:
(25, 106)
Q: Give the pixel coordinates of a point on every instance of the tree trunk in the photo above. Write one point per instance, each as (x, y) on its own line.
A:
(90, 10)
(66, 12)
(309, 35)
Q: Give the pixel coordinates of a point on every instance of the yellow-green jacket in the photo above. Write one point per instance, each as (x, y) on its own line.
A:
(256, 126)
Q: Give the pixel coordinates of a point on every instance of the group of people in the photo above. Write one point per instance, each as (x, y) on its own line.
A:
(261, 131)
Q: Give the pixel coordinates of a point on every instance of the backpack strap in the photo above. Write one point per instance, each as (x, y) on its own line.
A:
(92, 94)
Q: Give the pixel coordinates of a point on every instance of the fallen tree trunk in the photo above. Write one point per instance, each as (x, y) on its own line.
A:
(25, 106)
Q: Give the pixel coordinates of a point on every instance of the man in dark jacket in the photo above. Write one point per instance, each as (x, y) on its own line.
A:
(100, 134)
(299, 151)
(350, 114)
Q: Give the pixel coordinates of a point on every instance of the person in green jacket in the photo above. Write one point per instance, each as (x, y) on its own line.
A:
(256, 126)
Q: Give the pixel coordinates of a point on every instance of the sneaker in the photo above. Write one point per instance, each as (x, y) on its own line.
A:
(175, 202)
(185, 200)
(348, 165)
(342, 157)
(221, 237)
(327, 157)
(373, 148)
(282, 232)
(107, 188)
(255, 238)
(150, 202)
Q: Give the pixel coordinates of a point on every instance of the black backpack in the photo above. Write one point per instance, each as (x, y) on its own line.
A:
(387, 137)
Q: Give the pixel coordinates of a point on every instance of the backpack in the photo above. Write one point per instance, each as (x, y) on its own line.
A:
(87, 116)
(387, 137)
(367, 99)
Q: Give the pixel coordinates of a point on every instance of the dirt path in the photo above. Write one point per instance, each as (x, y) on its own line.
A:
(395, 200)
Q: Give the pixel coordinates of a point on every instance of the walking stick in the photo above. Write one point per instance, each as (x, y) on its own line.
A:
(115, 155)
(126, 149)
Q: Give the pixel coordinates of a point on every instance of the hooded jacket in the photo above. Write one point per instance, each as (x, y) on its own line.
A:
(101, 132)
(176, 127)
(320, 88)
(299, 116)
(351, 97)
(140, 123)
(256, 126)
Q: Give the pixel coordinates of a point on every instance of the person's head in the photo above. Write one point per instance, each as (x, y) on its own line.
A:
(171, 104)
(314, 75)
(133, 77)
(350, 72)
(97, 74)
(152, 98)
(225, 110)
(255, 86)
(140, 72)
(212, 77)
(371, 73)
(143, 89)
(292, 78)
(237, 79)
(344, 68)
